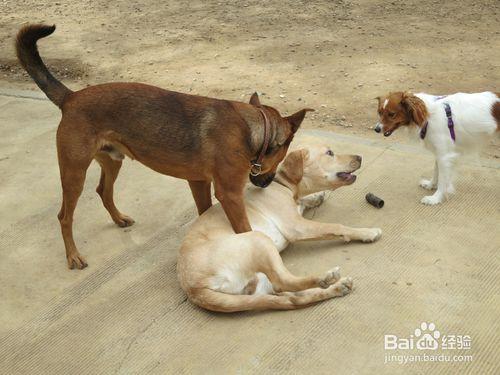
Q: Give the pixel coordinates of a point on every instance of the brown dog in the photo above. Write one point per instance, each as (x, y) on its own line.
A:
(186, 136)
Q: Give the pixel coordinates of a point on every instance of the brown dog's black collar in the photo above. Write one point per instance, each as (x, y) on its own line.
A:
(256, 168)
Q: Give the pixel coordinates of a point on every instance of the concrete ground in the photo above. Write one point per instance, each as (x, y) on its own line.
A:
(126, 313)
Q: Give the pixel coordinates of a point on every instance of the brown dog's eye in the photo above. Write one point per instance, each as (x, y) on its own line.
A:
(392, 114)
(329, 153)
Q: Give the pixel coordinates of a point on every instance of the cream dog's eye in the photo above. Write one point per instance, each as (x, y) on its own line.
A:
(329, 153)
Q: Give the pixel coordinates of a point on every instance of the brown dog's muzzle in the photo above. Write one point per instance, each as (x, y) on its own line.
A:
(262, 180)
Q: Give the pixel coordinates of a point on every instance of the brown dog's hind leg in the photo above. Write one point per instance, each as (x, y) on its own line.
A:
(109, 172)
(76, 147)
(72, 180)
(202, 195)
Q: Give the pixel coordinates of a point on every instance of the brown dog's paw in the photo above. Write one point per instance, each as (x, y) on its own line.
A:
(124, 221)
(76, 261)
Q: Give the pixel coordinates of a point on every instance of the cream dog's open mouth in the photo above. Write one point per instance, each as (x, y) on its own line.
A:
(347, 176)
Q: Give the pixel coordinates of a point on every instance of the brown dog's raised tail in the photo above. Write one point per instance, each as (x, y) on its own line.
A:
(27, 53)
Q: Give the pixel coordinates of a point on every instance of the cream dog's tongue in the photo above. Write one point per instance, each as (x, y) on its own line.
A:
(345, 175)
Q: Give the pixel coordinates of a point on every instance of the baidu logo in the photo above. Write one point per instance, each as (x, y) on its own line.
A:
(427, 337)
(425, 342)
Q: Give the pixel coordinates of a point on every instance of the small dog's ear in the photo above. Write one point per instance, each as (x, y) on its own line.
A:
(296, 119)
(254, 99)
(379, 99)
(415, 107)
(292, 168)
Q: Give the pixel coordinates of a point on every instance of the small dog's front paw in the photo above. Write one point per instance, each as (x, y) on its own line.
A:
(427, 184)
(431, 200)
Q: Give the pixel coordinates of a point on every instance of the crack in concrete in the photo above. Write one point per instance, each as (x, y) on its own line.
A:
(134, 340)
(142, 331)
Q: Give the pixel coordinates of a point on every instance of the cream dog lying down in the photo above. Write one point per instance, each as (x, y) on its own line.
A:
(223, 271)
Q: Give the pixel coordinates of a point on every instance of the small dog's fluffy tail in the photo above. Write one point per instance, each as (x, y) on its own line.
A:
(27, 53)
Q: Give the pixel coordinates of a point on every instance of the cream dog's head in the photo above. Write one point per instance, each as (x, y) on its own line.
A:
(312, 169)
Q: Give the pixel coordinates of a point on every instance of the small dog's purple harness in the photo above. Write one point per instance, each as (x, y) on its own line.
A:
(451, 125)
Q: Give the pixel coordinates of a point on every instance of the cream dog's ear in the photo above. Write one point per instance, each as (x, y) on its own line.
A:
(292, 168)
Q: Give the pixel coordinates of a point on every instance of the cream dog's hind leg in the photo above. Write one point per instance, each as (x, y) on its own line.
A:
(223, 302)
(268, 261)
(258, 254)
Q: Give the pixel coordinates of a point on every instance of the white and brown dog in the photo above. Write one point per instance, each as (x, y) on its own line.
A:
(449, 126)
(223, 271)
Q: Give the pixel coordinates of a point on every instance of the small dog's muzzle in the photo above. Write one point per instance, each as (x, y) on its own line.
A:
(378, 127)
(262, 180)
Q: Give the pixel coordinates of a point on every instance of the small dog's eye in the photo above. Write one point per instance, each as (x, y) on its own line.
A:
(392, 114)
(329, 153)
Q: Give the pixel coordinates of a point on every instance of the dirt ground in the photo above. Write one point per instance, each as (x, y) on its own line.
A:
(334, 56)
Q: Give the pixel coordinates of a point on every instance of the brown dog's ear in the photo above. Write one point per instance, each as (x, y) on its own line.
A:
(296, 119)
(292, 168)
(379, 99)
(254, 99)
(415, 107)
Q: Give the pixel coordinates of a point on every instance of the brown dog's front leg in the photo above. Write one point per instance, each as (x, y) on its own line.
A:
(202, 195)
(231, 197)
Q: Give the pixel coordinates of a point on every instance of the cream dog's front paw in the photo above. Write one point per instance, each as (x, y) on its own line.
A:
(371, 235)
(313, 200)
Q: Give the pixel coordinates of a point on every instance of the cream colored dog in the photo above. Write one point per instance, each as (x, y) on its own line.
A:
(223, 271)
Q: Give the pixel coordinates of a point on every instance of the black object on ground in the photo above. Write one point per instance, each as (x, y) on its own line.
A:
(374, 200)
